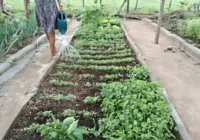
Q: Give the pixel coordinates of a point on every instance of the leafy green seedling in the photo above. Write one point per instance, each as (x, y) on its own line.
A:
(59, 97)
(91, 100)
(45, 113)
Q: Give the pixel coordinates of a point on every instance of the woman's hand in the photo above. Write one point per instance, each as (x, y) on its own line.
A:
(27, 14)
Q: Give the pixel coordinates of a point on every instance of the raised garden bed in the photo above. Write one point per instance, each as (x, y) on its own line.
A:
(74, 89)
(172, 24)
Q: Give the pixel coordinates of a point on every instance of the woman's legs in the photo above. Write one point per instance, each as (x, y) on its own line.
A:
(51, 38)
(47, 35)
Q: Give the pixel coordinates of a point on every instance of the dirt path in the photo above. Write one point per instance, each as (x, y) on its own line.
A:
(18, 90)
(178, 73)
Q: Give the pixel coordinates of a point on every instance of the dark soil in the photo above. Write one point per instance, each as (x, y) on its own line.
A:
(29, 113)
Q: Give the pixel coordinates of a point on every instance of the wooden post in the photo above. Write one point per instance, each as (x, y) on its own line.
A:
(136, 4)
(170, 4)
(121, 7)
(83, 3)
(162, 4)
(128, 5)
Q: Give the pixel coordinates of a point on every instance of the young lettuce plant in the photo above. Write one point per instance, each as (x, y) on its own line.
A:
(91, 100)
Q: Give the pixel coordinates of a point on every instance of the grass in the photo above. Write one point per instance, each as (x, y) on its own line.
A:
(144, 6)
(111, 6)
(18, 5)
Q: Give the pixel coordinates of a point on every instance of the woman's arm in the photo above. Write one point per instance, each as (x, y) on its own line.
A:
(60, 5)
(59, 2)
(26, 8)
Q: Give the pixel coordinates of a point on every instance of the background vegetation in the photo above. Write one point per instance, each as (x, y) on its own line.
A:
(15, 30)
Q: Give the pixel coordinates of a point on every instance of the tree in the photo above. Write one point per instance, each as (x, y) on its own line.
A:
(162, 4)
(170, 4)
(83, 3)
(121, 7)
(128, 5)
(100, 2)
(136, 4)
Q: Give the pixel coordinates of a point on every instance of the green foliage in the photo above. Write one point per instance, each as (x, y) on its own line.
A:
(100, 85)
(105, 52)
(190, 28)
(57, 130)
(96, 67)
(135, 110)
(9, 32)
(91, 100)
(100, 34)
(63, 74)
(59, 97)
(68, 112)
(98, 57)
(45, 113)
(89, 15)
(32, 128)
(101, 62)
(87, 76)
(139, 73)
(88, 84)
(87, 114)
(108, 77)
(62, 83)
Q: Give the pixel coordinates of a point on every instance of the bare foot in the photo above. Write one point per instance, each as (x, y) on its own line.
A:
(54, 51)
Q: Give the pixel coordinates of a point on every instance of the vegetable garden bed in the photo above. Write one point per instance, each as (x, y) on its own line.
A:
(83, 89)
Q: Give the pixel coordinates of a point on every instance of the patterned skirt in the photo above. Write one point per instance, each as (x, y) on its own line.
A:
(46, 11)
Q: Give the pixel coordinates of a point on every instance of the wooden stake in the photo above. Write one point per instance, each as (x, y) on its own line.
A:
(162, 4)
(121, 7)
(128, 5)
(136, 4)
(83, 3)
(170, 4)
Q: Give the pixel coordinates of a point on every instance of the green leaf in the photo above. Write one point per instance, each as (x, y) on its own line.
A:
(69, 120)
(78, 135)
(82, 129)
(53, 134)
(72, 127)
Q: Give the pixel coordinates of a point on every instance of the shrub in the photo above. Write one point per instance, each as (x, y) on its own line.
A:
(190, 28)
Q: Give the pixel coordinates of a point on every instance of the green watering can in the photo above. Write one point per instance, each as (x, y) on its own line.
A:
(62, 22)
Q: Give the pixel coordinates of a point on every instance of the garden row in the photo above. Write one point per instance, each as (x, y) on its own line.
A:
(100, 94)
(16, 32)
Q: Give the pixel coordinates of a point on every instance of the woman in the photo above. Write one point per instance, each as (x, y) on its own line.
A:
(46, 11)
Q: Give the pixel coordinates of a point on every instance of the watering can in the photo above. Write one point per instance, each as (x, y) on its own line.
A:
(62, 23)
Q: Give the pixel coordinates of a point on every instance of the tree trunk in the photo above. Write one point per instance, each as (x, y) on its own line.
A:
(162, 4)
(128, 5)
(83, 3)
(121, 7)
(170, 4)
(136, 4)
